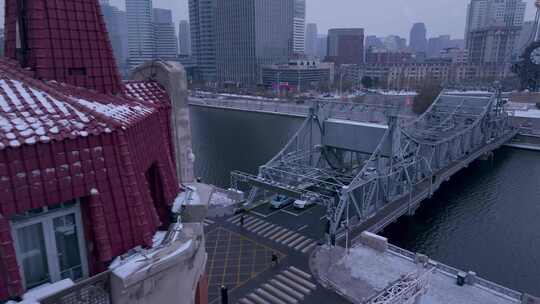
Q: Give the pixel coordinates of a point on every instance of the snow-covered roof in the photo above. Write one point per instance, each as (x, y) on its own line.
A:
(33, 111)
(149, 91)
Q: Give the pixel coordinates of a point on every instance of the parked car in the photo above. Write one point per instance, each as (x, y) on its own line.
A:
(280, 201)
(301, 204)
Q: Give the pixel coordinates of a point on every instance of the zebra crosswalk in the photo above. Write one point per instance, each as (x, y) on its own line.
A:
(208, 222)
(275, 233)
(290, 286)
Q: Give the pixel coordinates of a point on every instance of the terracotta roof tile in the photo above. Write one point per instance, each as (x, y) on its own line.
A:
(33, 111)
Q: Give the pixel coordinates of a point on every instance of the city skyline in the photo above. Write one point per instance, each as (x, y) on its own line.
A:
(398, 16)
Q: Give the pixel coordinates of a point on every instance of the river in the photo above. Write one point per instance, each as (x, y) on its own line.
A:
(485, 219)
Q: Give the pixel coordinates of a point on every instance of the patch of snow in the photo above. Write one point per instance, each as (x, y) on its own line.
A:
(528, 114)
(30, 140)
(158, 238)
(15, 143)
(221, 199)
(46, 290)
(188, 197)
(144, 260)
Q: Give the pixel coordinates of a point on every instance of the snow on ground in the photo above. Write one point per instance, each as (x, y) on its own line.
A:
(221, 199)
(143, 260)
(34, 295)
(528, 114)
(187, 197)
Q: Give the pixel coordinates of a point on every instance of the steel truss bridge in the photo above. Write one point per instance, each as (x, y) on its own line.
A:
(368, 165)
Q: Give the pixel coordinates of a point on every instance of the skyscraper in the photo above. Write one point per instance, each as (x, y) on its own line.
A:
(311, 39)
(141, 38)
(252, 33)
(322, 46)
(437, 44)
(165, 34)
(417, 39)
(202, 15)
(299, 27)
(184, 38)
(346, 46)
(492, 32)
(116, 22)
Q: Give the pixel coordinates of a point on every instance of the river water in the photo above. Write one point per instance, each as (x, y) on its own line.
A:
(485, 219)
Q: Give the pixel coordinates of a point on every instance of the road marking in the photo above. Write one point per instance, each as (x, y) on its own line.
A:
(265, 224)
(279, 239)
(290, 238)
(269, 296)
(245, 301)
(291, 283)
(280, 293)
(266, 229)
(306, 275)
(291, 291)
(272, 231)
(249, 220)
(283, 230)
(308, 248)
(255, 225)
(304, 243)
(302, 228)
(298, 240)
(257, 299)
(234, 217)
(299, 280)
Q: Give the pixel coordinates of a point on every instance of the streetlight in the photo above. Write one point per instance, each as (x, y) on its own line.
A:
(279, 83)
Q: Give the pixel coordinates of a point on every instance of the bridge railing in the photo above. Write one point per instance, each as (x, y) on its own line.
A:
(253, 105)
(454, 272)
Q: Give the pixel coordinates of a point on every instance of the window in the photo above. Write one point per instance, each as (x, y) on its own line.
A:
(49, 243)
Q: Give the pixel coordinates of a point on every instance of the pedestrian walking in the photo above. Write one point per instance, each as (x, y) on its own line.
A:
(275, 259)
(242, 221)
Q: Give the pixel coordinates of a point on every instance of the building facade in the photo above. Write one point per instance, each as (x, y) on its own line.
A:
(383, 56)
(202, 17)
(299, 27)
(184, 38)
(415, 75)
(166, 43)
(311, 39)
(346, 46)
(418, 38)
(78, 189)
(141, 36)
(116, 22)
(250, 34)
(298, 74)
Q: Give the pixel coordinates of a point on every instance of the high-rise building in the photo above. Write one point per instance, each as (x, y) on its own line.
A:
(494, 13)
(437, 44)
(202, 17)
(311, 39)
(492, 33)
(252, 33)
(299, 27)
(165, 34)
(116, 22)
(417, 38)
(322, 46)
(374, 42)
(394, 43)
(184, 38)
(346, 46)
(141, 37)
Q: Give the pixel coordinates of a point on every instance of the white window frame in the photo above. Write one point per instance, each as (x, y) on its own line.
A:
(49, 237)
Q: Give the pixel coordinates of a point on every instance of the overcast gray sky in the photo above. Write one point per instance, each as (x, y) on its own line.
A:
(378, 17)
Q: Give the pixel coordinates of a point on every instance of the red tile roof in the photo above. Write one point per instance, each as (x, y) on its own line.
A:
(33, 111)
(149, 91)
(66, 41)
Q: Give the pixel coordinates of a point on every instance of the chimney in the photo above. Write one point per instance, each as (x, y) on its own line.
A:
(62, 40)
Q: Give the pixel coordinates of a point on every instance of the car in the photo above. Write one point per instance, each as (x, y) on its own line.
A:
(280, 201)
(301, 204)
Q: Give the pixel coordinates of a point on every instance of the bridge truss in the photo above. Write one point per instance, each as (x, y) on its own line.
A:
(355, 184)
